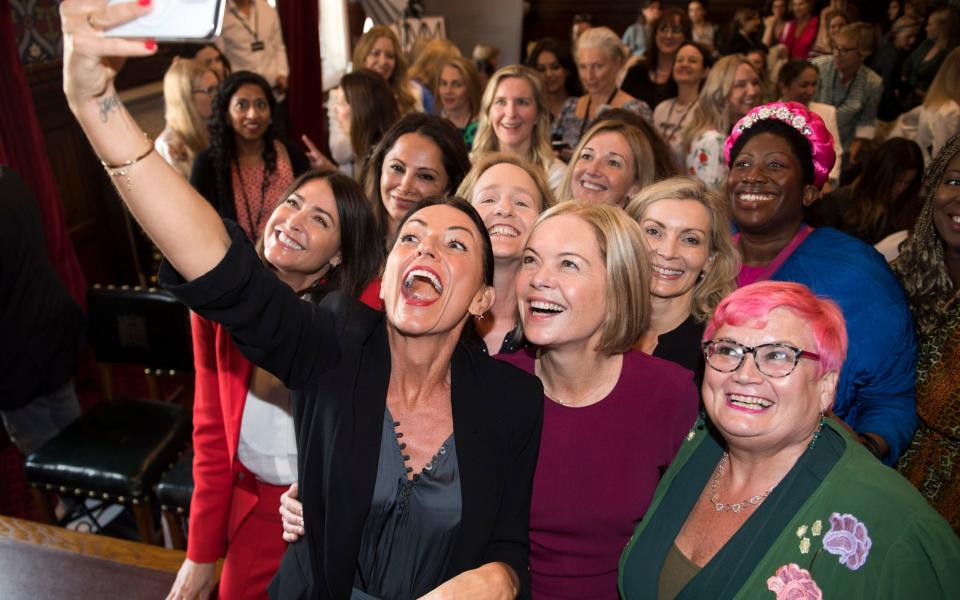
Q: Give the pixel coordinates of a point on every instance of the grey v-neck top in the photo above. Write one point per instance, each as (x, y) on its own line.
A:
(409, 534)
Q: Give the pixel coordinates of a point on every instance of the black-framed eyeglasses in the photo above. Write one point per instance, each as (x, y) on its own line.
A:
(773, 360)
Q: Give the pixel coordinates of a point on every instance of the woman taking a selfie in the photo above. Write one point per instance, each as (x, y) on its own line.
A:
(457, 485)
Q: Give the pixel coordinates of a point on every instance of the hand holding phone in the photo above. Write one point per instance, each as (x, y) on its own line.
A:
(174, 20)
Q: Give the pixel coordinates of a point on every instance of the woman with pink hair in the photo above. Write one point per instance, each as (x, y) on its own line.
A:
(768, 493)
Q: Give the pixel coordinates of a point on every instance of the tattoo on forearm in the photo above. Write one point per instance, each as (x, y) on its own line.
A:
(108, 105)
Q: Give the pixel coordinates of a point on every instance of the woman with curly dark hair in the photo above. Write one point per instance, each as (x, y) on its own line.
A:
(929, 270)
(245, 169)
(882, 200)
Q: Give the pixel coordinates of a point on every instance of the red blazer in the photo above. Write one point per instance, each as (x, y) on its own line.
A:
(222, 380)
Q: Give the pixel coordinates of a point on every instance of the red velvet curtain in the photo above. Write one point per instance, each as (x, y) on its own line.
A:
(301, 29)
(21, 147)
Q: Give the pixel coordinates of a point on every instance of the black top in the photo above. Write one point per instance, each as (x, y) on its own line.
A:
(335, 357)
(203, 177)
(739, 44)
(41, 325)
(682, 346)
(412, 523)
(638, 84)
(887, 62)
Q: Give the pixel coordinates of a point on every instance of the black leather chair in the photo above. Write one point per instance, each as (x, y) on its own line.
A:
(117, 451)
(174, 493)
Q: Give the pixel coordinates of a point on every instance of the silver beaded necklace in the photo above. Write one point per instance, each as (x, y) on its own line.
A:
(736, 506)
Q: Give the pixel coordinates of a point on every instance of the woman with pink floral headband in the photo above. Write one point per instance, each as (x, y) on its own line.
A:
(770, 498)
(780, 155)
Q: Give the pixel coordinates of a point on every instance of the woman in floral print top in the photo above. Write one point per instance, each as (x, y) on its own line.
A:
(770, 498)
(732, 89)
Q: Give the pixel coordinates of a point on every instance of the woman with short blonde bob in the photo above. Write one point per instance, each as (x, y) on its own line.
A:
(509, 194)
(188, 91)
(514, 118)
(612, 162)
(693, 265)
(379, 50)
(613, 416)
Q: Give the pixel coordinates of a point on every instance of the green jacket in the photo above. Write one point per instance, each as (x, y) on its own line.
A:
(849, 526)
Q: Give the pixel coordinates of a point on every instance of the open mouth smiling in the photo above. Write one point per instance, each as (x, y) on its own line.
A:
(288, 242)
(748, 403)
(421, 286)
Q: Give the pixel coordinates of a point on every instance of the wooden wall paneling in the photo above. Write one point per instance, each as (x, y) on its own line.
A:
(93, 213)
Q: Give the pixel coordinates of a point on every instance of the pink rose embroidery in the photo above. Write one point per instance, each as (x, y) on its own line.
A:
(848, 539)
(793, 583)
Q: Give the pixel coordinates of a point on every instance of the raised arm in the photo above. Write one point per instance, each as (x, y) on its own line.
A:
(179, 221)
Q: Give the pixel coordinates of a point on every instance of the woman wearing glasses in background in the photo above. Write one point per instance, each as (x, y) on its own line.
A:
(769, 495)
(188, 90)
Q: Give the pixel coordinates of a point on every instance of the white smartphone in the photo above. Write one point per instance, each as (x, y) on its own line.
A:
(175, 20)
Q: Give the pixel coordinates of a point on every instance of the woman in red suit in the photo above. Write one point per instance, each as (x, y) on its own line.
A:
(321, 238)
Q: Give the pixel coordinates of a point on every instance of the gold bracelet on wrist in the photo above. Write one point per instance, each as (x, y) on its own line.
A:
(123, 169)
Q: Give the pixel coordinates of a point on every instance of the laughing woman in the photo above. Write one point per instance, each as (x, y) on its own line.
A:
(417, 451)
(693, 265)
(509, 194)
(769, 499)
(613, 416)
(514, 118)
(612, 162)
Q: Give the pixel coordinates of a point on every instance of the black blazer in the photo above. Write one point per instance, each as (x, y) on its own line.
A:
(203, 177)
(336, 358)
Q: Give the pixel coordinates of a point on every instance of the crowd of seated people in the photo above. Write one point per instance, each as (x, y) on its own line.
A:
(603, 324)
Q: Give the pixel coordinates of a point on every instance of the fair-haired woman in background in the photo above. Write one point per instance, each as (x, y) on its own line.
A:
(514, 118)
(690, 70)
(731, 90)
(458, 94)
(380, 51)
(188, 91)
(693, 265)
(939, 118)
(600, 57)
(612, 162)
(509, 193)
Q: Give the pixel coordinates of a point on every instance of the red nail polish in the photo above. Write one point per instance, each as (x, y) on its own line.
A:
(150, 44)
(144, 2)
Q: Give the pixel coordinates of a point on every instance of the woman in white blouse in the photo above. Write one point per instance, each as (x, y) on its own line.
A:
(188, 90)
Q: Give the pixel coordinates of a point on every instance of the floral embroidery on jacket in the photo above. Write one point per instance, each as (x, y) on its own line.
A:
(848, 539)
(793, 583)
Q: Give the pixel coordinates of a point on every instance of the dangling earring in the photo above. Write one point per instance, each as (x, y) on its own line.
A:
(816, 434)
(701, 276)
